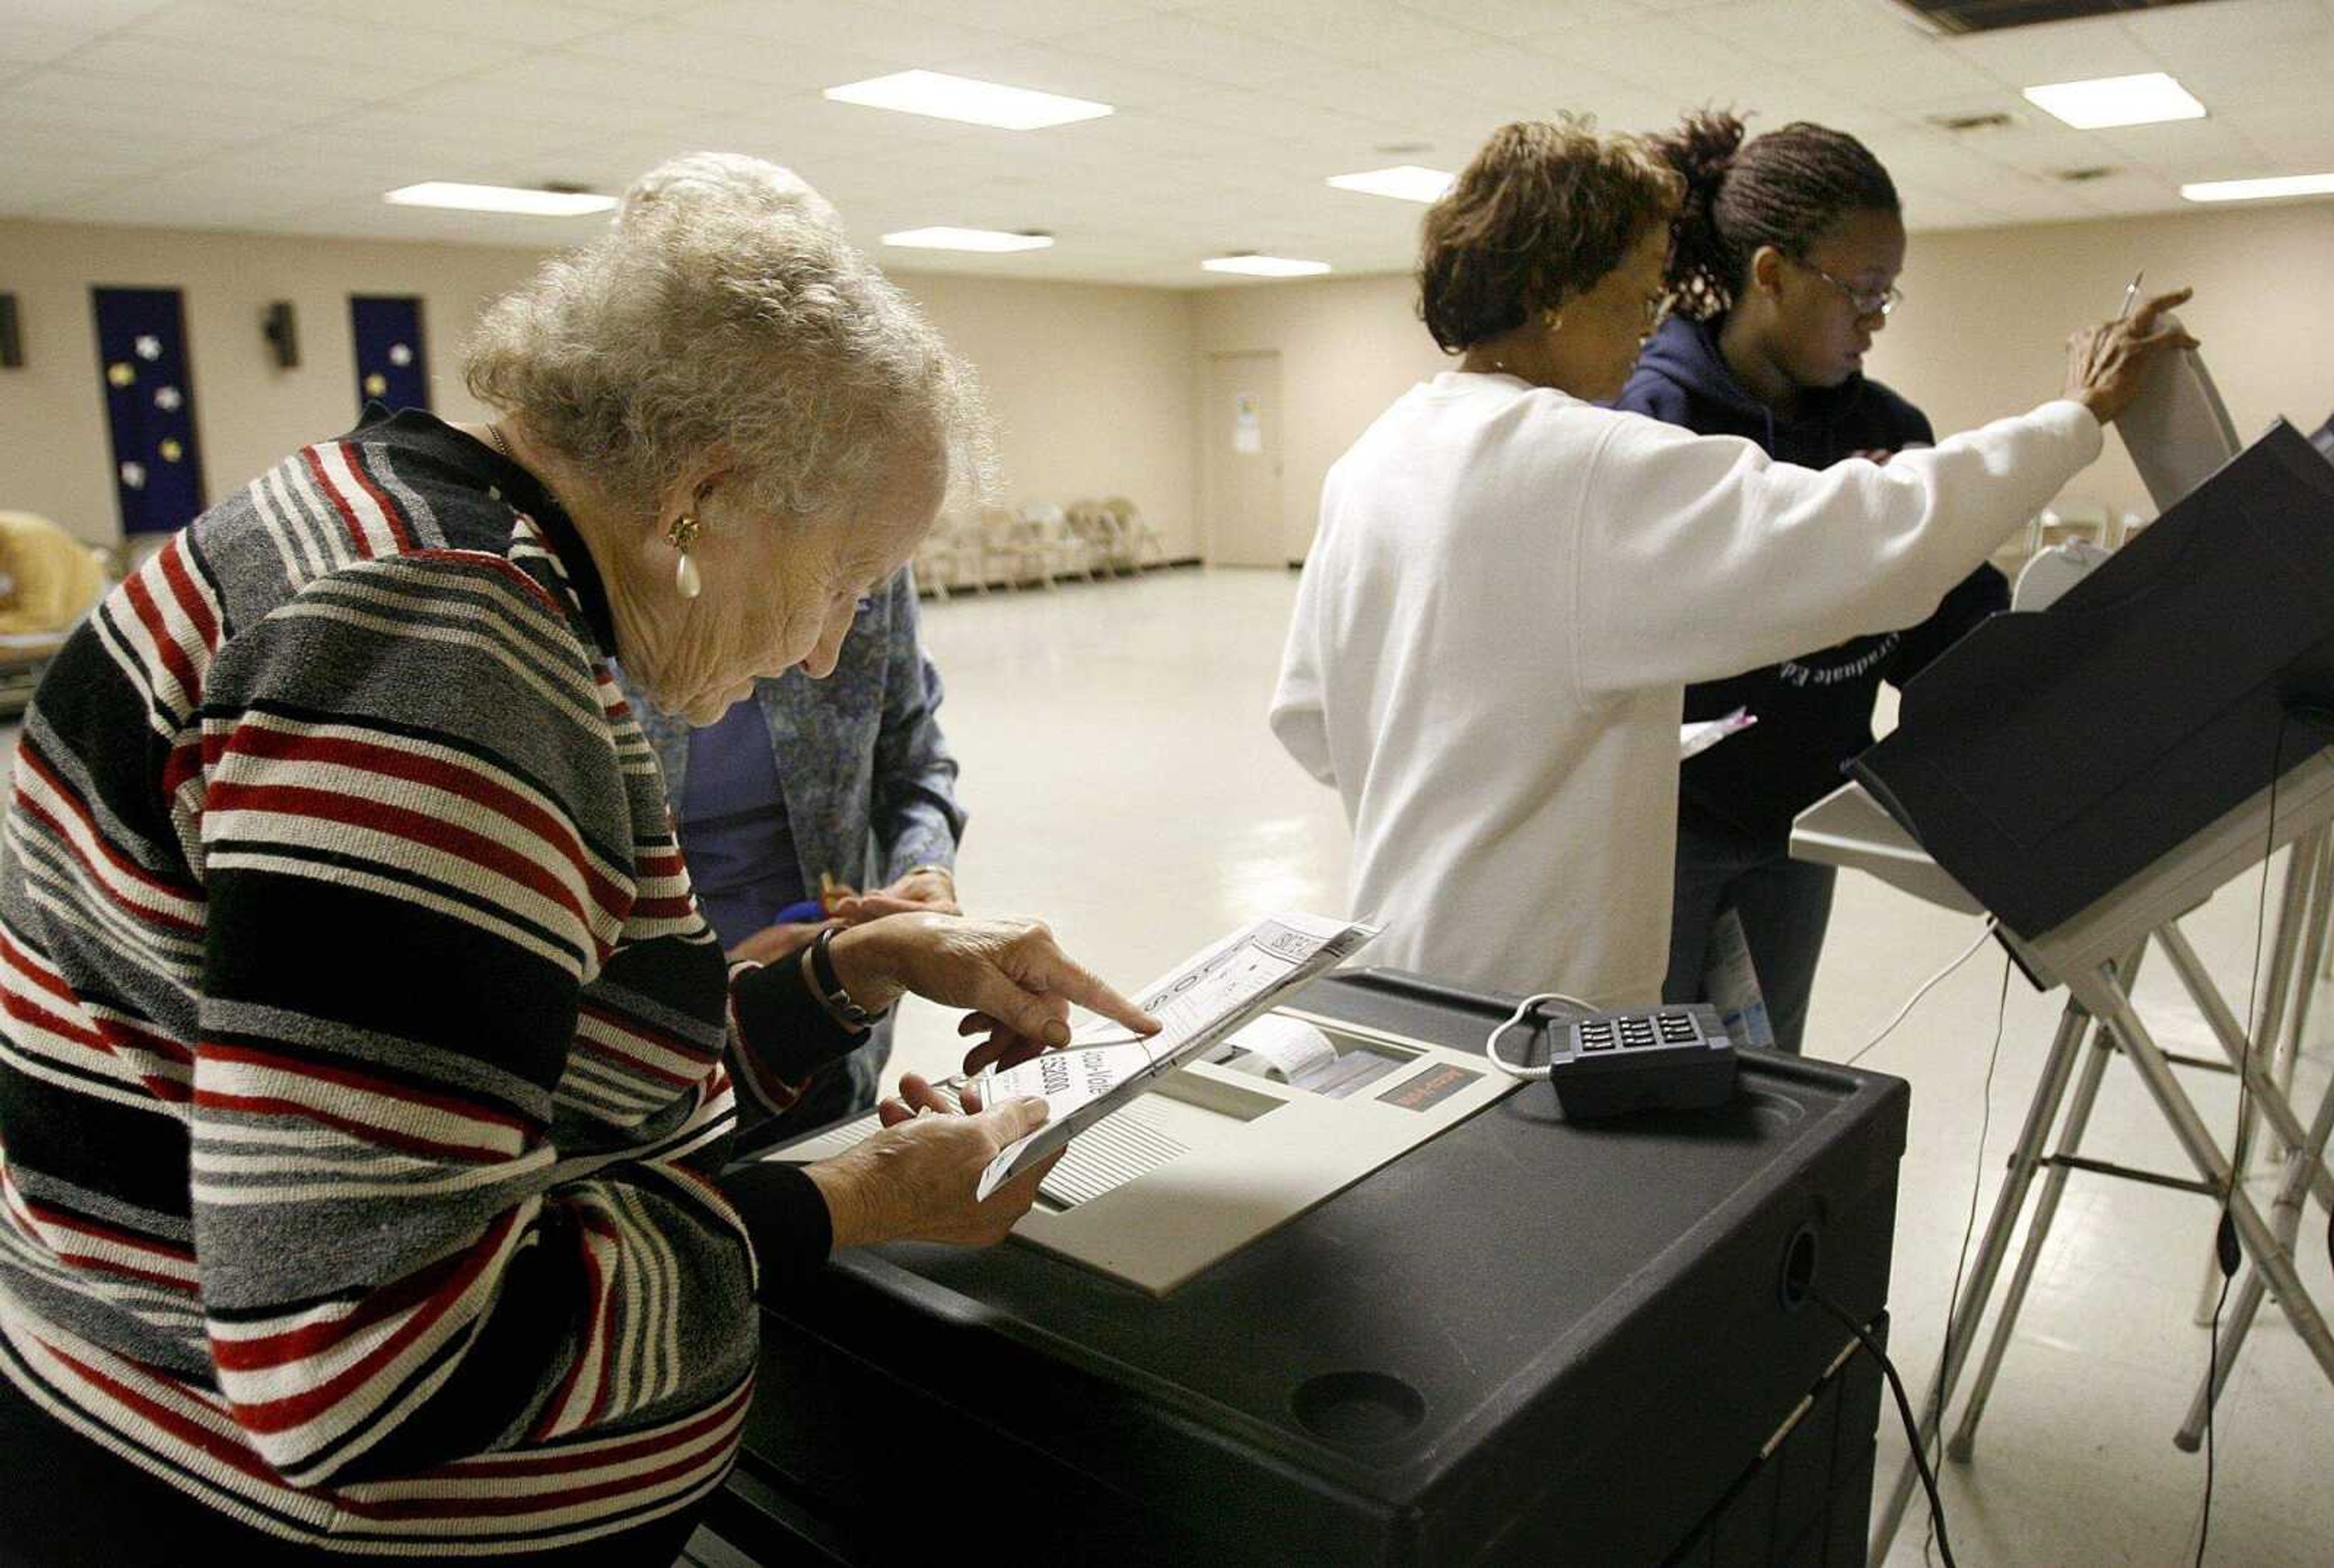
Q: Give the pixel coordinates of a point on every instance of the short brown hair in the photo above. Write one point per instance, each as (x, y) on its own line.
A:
(1544, 210)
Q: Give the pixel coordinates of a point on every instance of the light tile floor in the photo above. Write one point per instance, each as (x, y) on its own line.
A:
(1123, 784)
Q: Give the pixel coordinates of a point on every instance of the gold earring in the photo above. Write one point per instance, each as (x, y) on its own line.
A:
(680, 536)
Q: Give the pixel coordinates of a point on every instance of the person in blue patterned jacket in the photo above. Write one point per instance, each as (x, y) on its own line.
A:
(847, 779)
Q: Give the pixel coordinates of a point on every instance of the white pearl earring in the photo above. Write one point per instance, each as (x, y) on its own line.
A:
(680, 536)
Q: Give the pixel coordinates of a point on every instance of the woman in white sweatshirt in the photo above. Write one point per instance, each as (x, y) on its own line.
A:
(1511, 586)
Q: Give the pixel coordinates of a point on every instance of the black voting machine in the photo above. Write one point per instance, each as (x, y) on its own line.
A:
(2046, 758)
(1526, 1341)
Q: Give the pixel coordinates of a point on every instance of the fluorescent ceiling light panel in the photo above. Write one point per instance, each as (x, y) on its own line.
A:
(1404, 182)
(499, 199)
(945, 96)
(1264, 266)
(2142, 99)
(984, 239)
(2261, 189)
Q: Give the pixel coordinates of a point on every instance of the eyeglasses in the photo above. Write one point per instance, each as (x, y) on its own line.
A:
(1881, 303)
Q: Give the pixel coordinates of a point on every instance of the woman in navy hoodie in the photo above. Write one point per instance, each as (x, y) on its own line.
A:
(1783, 268)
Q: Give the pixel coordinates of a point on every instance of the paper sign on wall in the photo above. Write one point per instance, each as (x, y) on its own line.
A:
(1247, 424)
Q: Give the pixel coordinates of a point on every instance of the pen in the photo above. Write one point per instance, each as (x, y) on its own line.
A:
(2131, 294)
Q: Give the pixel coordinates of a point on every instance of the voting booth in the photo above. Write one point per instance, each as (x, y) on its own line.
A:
(1425, 1322)
(2086, 776)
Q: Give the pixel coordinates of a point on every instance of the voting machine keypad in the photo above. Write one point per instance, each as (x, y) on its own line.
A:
(1673, 1058)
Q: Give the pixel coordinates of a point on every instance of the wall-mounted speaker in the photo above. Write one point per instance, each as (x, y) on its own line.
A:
(11, 336)
(283, 333)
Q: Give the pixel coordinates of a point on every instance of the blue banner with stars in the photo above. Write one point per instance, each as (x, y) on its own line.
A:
(390, 366)
(150, 408)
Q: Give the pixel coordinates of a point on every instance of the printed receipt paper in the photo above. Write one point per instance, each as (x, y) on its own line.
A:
(1213, 994)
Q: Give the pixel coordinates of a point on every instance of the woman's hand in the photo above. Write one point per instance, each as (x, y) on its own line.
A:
(915, 1180)
(925, 887)
(2108, 364)
(1010, 970)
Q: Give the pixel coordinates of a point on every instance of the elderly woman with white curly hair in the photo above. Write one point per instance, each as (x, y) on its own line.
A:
(366, 1065)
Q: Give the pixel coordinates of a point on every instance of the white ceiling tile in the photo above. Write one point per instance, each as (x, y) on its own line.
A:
(540, 23)
(1518, 19)
(897, 37)
(1509, 71)
(2178, 34)
(221, 104)
(90, 17)
(2055, 52)
(2296, 69)
(1032, 19)
(293, 115)
(1049, 68)
(1218, 55)
(1368, 93)
(678, 56)
(1360, 32)
(1912, 79)
(138, 56)
(596, 85)
(166, 203)
(1791, 30)
(24, 43)
(280, 43)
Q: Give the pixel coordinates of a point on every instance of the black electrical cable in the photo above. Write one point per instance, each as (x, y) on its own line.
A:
(1969, 1224)
(1905, 1413)
(2226, 1253)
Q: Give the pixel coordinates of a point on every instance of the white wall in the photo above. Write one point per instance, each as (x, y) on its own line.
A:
(1091, 385)
(1982, 332)
(54, 454)
(1983, 329)
(1096, 389)
(1348, 346)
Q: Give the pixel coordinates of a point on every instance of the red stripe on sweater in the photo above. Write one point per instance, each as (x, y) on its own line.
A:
(354, 456)
(494, 1466)
(363, 1131)
(157, 628)
(351, 1078)
(294, 1410)
(61, 1220)
(457, 844)
(28, 755)
(238, 1355)
(189, 594)
(283, 745)
(234, 1456)
(331, 492)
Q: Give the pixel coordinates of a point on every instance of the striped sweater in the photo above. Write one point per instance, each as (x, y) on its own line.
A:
(365, 1064)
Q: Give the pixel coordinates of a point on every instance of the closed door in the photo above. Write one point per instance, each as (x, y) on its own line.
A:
(1243, 461)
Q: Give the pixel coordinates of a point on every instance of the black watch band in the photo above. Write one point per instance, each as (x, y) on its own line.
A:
(830, 984)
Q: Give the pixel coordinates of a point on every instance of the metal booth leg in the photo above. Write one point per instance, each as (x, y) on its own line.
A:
(2099, 992)
(2058, 1068)
(2285, 1222)
(2038, 1229)
(2269, 1012)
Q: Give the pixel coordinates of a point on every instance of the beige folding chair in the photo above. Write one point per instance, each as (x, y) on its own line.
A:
(1139, 535)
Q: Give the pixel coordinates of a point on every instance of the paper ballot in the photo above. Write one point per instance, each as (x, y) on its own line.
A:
(1211, 993)
(1694, 740)
(2176, 430)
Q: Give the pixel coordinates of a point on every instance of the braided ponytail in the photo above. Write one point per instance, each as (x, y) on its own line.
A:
(1784, 188)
